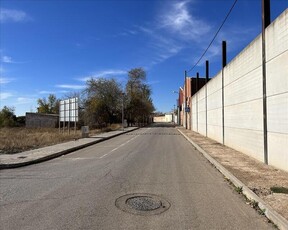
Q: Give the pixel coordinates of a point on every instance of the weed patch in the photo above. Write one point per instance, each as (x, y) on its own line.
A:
(19, 139)
(239, 189)
(279, 190)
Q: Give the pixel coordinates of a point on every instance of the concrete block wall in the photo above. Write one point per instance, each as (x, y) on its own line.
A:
(243, 99)
(39, 120)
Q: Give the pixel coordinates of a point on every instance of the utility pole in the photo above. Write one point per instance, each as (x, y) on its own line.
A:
(197, 88)
(185, 96)
(206, 81)
(224, 61)
(123, 112)
(174, 115)
(265, 22)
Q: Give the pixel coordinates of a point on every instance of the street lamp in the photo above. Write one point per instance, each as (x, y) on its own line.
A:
(123, 94)
(178, 108)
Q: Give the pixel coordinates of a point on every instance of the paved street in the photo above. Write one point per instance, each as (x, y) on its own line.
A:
(79, 190)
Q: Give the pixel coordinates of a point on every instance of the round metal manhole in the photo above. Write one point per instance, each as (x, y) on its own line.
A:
(142, 204)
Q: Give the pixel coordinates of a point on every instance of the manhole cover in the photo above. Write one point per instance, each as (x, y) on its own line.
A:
(142, 204)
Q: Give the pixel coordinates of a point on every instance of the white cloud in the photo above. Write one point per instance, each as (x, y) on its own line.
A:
(6, 59)
(4, 95)
(74, 87)
(63, 91)
(133, 32)
(153, 82)
(104, 73)
(24, 100)
(110, 72)
(86, 78)
(46, 92)
(4, 80)
(128, 33)
(178, 20)
(163, 47)
(9, 15)
(173, 31)
(178, 17)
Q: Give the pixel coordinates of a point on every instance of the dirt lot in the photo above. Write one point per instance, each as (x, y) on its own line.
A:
(15, 140)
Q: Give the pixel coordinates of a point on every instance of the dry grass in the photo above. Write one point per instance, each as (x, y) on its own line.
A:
(14, 140)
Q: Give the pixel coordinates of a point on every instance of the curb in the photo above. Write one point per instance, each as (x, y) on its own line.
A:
(270, 213)
(58, 154)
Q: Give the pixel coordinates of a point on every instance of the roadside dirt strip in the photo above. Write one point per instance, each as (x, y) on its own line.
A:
(250, 177)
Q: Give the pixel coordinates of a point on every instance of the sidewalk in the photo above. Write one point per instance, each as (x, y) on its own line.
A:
(50, 152)
(253, 176)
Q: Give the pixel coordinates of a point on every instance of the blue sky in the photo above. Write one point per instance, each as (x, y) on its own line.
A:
(51, 46)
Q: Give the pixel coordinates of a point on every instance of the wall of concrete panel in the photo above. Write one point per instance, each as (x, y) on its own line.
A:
(277, 91)
(201, 111)
(214, 107)
(194, 114)
(243, 99)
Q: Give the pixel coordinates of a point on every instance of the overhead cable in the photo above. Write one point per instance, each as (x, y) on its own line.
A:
(214, 36)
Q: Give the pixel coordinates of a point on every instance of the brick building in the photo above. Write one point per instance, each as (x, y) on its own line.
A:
(191, 86)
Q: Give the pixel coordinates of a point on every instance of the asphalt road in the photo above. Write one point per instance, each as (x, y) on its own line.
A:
(79, 190)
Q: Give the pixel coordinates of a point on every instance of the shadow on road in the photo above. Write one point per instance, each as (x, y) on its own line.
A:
(162, 125)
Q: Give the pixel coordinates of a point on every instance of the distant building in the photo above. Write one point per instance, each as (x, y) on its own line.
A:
(164, 118)
(41, 120)
(191, 86)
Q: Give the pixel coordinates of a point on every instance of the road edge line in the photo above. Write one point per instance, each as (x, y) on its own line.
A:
(270, 213)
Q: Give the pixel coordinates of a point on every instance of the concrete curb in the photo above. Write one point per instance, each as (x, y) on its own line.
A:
(270, 213)
(58, 154)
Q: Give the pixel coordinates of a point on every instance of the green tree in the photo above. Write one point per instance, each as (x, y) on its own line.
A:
(103, 102)
(7, 117)
(49, 105)
(139, 103)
